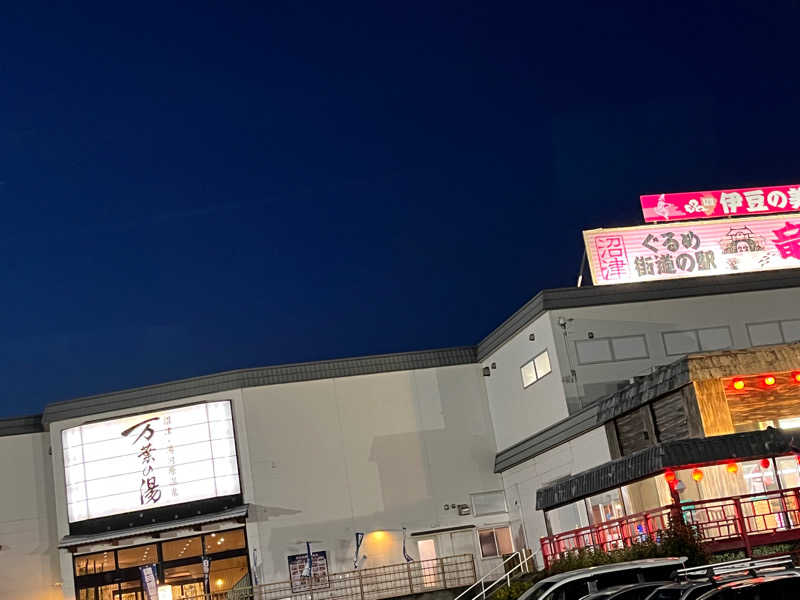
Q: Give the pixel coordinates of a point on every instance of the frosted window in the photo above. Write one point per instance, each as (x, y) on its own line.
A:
(627, 348)
(764, 334)
(542, 364)
(681, 342)
(717, 338)
(528, 372)
(489, 503)
(593, 351)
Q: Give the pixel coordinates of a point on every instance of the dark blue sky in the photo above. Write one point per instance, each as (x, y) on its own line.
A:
(200, 188)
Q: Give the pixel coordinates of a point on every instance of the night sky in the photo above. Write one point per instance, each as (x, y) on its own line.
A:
(194, 189)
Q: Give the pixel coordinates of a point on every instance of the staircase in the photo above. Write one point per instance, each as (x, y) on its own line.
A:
(512, 568)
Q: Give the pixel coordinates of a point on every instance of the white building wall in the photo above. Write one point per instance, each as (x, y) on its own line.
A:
(29, 556)
(671, 329)
(373, 453)
(522, 481)
(518, 412)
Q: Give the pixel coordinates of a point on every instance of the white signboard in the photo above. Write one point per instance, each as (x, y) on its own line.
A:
(150, 460)
(693, 249)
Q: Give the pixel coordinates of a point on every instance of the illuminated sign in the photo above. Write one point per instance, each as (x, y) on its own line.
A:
(693, 249)
(150, 460)
(724, 203)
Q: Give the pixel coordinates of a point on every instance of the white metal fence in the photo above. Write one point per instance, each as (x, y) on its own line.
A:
(368, 584)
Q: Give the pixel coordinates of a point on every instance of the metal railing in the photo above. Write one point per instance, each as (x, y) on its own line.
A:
(520, 562)
(736, 522)
(366, 584)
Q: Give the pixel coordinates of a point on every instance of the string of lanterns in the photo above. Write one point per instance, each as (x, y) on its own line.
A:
(732, 467)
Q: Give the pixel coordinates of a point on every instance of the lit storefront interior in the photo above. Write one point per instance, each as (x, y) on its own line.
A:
(736, 504)
(698, 435)
(114, 573)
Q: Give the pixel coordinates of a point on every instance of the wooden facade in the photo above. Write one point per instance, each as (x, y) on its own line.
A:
(708, 404)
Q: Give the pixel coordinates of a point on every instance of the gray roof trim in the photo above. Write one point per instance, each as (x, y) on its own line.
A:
(750, 445)
(547, 439)
(21, 425)
(230, 380)
(662, 381)
(71, 541)
(577, 297)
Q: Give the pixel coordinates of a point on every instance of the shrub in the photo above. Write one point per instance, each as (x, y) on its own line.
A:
(677, 540)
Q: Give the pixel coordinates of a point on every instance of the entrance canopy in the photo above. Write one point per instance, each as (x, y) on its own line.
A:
(237, 513)
(673, 454)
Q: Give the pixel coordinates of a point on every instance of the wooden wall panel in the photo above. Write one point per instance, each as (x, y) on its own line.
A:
(670, 417)
(713, 405)
(633, 433)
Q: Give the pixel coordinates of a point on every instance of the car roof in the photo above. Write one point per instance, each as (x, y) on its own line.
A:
(747, 583)
(644, 563)
(750, 581)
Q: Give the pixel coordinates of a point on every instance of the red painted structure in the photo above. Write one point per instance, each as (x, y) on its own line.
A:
(733, 523)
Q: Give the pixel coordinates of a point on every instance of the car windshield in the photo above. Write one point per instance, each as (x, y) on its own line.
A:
(537, 591)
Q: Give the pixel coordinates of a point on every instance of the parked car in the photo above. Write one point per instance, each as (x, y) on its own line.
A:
(630, 591)
(685, 590)
(785, 586)
(697, 581)
(574, 585)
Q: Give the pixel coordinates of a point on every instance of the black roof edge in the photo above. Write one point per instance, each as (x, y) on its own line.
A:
(21, 425)
(576, 297)
(258, 376)
(750, 445)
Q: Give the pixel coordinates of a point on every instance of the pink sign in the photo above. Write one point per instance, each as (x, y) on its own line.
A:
(725, 203)
(693, 249)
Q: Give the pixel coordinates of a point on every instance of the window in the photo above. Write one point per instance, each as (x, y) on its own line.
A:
(528, 371)
(791, 331)
(495, 542)
(224, 541)
(681, 342)
(773, 332)
(542, 364)
(94, 563)
(626, 347)
(140, 555)
(629, 347)
(715, 338)
(594, 351)
(181, 548)
(764, 334)
(489, 503)
(535, 369)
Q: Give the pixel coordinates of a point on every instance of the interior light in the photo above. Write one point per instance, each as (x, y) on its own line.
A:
(769, 380)
(697, 475)
(219, 582)
(797, 377)
(738, 384)
(733, 467)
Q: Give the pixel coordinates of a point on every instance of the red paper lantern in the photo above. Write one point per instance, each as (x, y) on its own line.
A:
(669, 475)
(697, 475)
(765, 463)
(733, 467)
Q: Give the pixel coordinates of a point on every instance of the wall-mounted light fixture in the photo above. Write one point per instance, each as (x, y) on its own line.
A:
(487, 372)
(532, 337)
